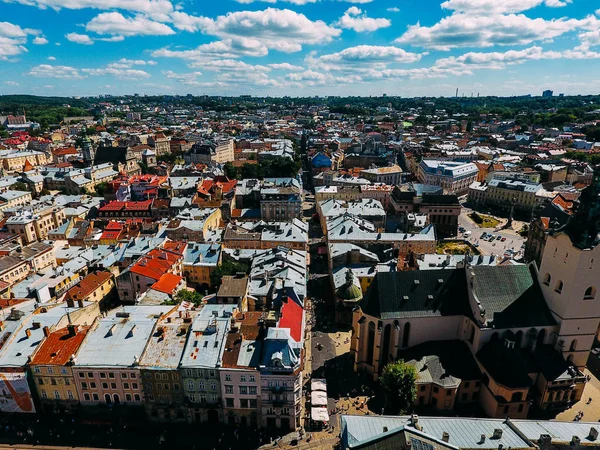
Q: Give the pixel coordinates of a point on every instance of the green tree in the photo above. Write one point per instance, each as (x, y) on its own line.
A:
(226, 268)
(101, 189)
(231, 171)
(19, 186)
(189, 296)
(398, 380)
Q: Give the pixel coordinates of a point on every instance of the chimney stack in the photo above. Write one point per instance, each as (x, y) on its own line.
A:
(46, 331)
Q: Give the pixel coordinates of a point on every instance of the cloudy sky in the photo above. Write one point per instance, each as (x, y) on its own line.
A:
(299, 47)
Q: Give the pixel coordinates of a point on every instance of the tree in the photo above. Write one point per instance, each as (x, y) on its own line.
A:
(398, 380)
(19, 186)
(101, 189)
(226, 268)
(189, 296)
(231, 171)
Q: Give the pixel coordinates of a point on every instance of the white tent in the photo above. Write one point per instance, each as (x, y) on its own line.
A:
(318, 398)
(319, 414)
(318, 384)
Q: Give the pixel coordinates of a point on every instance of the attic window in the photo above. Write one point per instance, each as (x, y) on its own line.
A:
(416, 282)
(405, 298)
(440, 281)
(430, 297)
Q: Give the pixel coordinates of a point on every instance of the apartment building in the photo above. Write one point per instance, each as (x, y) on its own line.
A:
(199, 261)
(202, 357)
(36, 223)
(51, 368)
(15, 161)
(508, 194)
(391, 175)
(95, 287)
(453, 177)
(107, 367)
(14, 199)
(159, 366)
(207, 152)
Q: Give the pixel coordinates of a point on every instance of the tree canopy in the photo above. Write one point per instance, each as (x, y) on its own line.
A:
(226, 268)
(398, 379)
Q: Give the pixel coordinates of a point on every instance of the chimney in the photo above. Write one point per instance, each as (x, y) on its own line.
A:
(80, 303)
(545, 440)
(497, 433)
(46, 331)
(36, 325)
(593, 434)
(482, 439)
(28, 333)
(445, 436)
(575, 440)
(385, 429)
(72, 329)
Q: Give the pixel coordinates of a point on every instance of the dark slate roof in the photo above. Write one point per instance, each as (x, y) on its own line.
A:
(110, 155)
(511, 296)
(496, 357)
(435, 199)
(455, 358)
(552, 364)
(424, 293)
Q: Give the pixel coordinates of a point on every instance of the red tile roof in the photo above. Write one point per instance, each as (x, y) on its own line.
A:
(291, 317)
(167, 283)
(88, 285)
(59, 346)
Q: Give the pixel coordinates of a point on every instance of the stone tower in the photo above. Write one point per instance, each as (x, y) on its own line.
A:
(89, 154)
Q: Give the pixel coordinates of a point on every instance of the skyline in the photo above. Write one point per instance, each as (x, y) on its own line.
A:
(299, 47)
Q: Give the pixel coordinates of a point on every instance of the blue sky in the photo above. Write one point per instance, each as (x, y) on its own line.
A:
(299, 47)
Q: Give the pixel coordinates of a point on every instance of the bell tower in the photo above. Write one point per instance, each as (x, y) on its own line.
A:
(89, 154)
(569, 276)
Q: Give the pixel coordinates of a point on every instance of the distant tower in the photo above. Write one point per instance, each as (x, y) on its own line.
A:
(456, 92)
(89, 154)
(569, 276)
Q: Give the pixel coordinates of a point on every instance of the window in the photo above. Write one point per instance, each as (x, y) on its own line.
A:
(252, 379)
(590, 293)
(67, 382)
(467, 384)
(128, 397)
(86, 396)
(159, 386)
(70, 395)
(449, 392)
(125, 385)
(211, 373)
(176, 386)
(547, 279)
(229, 389)
(113, 385)
(104, 385)
(136, 397)
(57, 395)
(132, 375)
(435, 389)
(229, 402)
(92, 385)
(111, 375)
(63, 370)
(243, 403)
(559, 287)
(95, 397)
(81, 374)
(190, 384)
(36, 369)
(44, 394)
(252, 390)
(422, 388)
(134, 385)
(227, 377)
(102, 375)
(124, 375)
(253, 403)
(243, 390)
(83, 386)
(50, 370)
(243, 378)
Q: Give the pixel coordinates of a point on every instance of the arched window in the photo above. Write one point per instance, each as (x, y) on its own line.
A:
(547, 279)
(573, 346)
(107, 399)
(541, 337)
(590, 293)
(116, 399)
(518, 339)
(370, 342)
(559, 286)
(406, 337)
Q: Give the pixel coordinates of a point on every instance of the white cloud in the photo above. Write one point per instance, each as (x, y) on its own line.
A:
(285, 66)
(77, 38)
(499, 6)
(277, 29)
(130, 74)
(295, 2)
(589, 39)
(499, 60)
(230, 65)
(227, 48)
(112, 39)
(125, 63)
(11, 83)
(51, 58)
(463, 30)
(39, 40)
(114, 23)
(13, 39)
(370, 54)
(189, 79)
(357, 2)
(49, 71)
(358, 21)
(393, 9)
(157, 9)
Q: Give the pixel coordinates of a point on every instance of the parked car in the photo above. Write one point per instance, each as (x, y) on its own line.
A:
(498, 238)
(503, 239)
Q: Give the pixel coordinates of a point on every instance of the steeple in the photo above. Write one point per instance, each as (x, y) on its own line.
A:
(584, 226)
(89, 154)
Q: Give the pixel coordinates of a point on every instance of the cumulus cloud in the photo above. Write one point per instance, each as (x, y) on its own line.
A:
(277, 29)
(370, 54)
(115, 23)
(499, 7)
(40, 40)
(13, 38)
(51, 58)
(227, 48)
(77, 38)
(295, 2)
(50, 71)
(464, 30)
(157, 9)
(499, 60)
(125, 63)
(190, 79)
(11, 83)
(393, 9)
(285, 66)
(356, 20)
(129, 74)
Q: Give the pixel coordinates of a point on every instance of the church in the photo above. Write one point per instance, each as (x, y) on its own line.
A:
(505, 339)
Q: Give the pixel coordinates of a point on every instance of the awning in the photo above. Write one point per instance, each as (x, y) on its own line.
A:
(319, 414)
(318, 398)
(318, 384)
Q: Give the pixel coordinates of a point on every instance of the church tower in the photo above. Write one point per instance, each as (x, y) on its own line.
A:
(89, 154)
(569, 276)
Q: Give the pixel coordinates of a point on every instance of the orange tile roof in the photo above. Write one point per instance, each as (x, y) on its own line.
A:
(59, 346)
(167, 283)
(88, 285)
